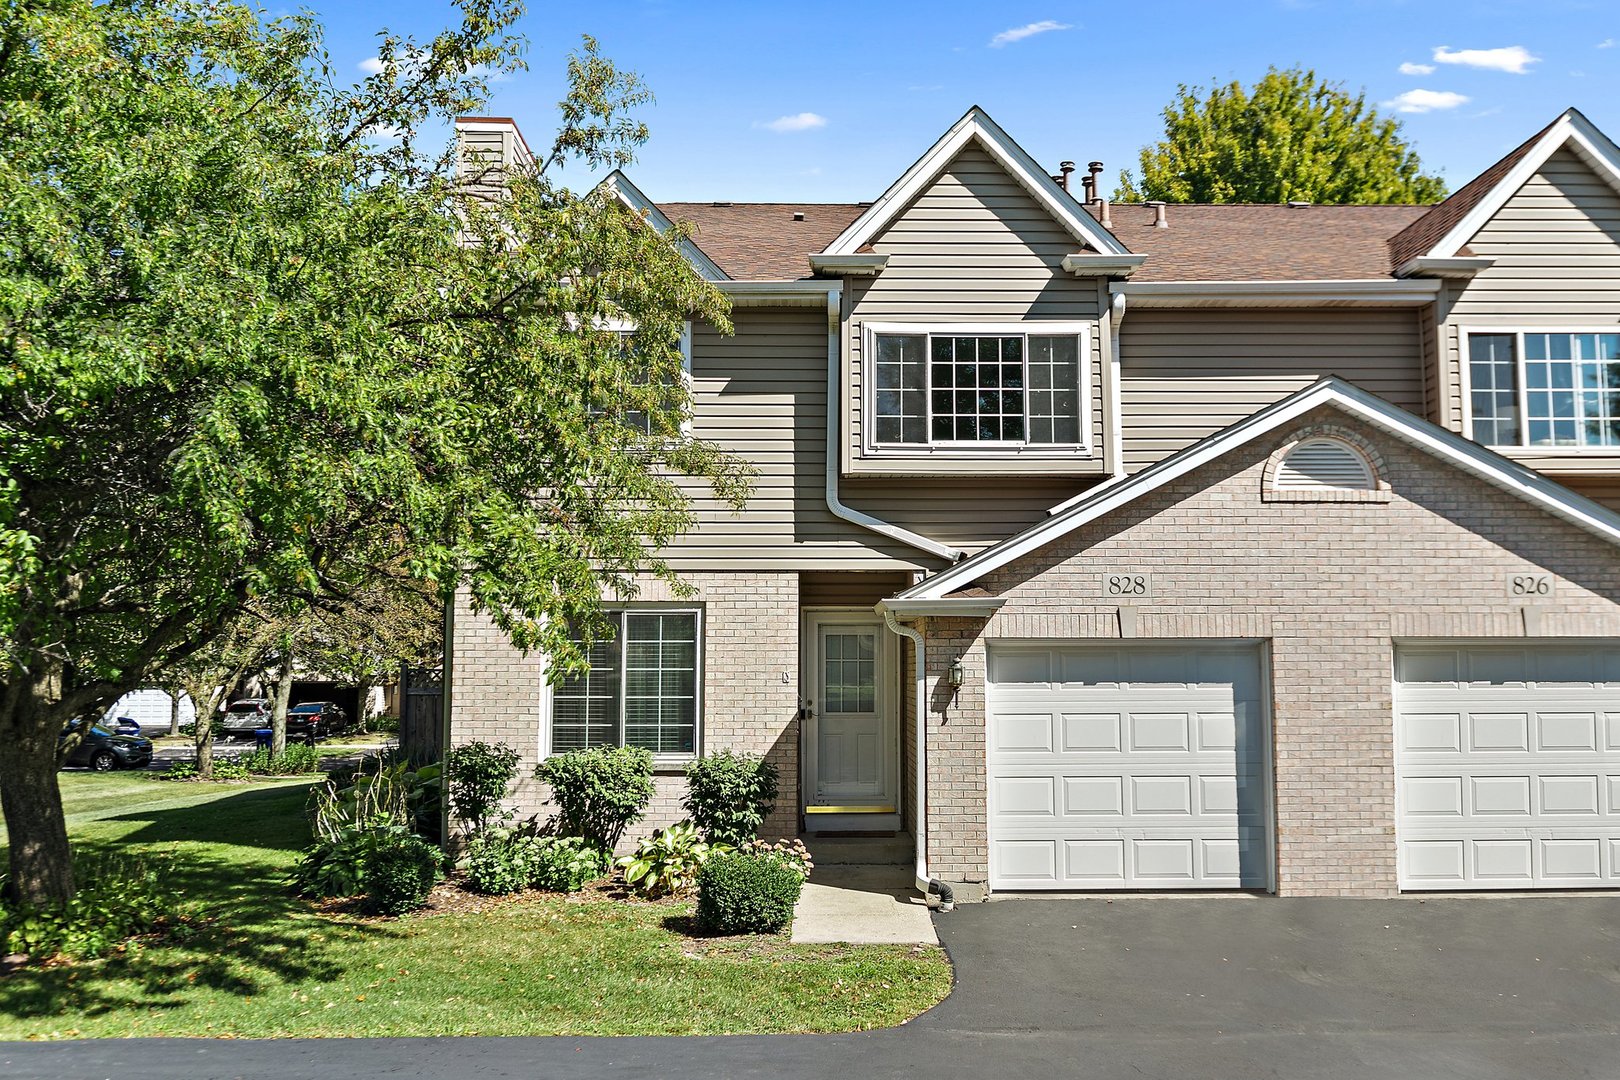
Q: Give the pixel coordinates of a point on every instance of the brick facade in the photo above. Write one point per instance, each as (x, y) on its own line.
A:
(1330, 586)
(750, 683)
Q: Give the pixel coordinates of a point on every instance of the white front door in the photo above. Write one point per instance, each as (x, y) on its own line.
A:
(851, 738)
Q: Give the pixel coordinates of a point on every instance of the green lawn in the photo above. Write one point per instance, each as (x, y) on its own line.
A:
(269, 965)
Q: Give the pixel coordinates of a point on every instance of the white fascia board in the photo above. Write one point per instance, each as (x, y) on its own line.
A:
(1594, 147)
(1454, 449)
(632, 197)
(1084, 264)
(1458, 266)
(805, 292)
(948, 607)
(865, 264)
(1350, 292)
(975, 124)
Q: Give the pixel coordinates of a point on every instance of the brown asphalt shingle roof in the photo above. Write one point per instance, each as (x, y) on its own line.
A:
(1420, 236)
(761, 241)
(1248, 242)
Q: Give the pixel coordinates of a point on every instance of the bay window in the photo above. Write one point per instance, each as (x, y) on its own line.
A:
(641, 690)
(1548, 389)
(977, 387)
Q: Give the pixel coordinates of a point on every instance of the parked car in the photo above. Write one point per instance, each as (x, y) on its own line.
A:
(123, 725)
(313, 720)
(103, 751)
(243, 718)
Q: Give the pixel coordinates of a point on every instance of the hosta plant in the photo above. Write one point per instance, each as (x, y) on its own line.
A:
(667, 862)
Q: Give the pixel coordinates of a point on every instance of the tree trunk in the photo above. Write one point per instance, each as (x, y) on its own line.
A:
(278, 709)
(174, 709)
(41, 862)
(362, 706)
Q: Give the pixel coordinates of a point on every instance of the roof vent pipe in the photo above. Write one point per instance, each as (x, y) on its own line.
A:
(1159, 220)
(1093, 170)
(1104, 219)
(1064, 169)
(798, 215)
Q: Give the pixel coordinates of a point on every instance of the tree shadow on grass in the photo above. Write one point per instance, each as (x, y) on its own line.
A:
(239, 930)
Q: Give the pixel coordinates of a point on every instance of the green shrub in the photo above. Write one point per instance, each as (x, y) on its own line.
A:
(667, 862)
(382, 788)
(599, 792)
(385, 724)
(479, 775)
(567, 864)
(177, 770)
(399, 873)
(751, 891)
(118, 898)
(230, 769)
(499, 861)
(729, 795)
(295, 760)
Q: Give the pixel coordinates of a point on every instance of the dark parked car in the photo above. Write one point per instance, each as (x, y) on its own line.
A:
(103, 751)
(313, 720)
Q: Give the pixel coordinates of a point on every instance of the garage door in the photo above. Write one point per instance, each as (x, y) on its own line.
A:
(1128, 768)
(1508, 765)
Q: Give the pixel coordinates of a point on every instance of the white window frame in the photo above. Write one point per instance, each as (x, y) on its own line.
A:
(660, 761)
(971, 449)
(628, 326)
(1466, 382)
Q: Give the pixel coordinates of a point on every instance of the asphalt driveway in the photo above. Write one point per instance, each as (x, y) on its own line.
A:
(1183, 988)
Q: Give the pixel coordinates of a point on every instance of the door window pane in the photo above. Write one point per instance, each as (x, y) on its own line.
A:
(849, 672)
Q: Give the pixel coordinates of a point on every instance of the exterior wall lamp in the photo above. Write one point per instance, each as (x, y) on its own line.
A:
(957, 674)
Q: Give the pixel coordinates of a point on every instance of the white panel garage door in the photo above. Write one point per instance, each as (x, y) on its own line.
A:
(1508, 765)
(1136, 767)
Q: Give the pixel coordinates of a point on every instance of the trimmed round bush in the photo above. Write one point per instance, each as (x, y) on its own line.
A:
(400, 875)
(599, 792)
(747, 892)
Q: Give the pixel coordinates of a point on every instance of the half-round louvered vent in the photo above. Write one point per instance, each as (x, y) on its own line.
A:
(1324, 465)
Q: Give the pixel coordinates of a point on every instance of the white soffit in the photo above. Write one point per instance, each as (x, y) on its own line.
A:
(976, 125)
(1454, 449)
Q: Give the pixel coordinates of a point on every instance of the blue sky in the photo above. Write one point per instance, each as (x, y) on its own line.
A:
(831, 101)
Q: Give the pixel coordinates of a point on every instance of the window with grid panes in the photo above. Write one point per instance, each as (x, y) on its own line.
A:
(641, 690)
(1536, 388)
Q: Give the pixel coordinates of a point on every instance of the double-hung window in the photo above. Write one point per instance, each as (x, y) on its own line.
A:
(641, 690)
(986, 386)
(1551, 389)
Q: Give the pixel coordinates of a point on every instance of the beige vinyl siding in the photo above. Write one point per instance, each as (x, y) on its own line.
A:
(1556, 243)
(822, 588)
(1185, 375)
(762, 395)
(1602, 489)
(974, 247)
(481, 155)
(965, 513)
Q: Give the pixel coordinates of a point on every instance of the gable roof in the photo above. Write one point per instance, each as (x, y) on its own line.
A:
(976, 126)
(632, 197)
(1466, 455)
(1445, 229)
(761, 241)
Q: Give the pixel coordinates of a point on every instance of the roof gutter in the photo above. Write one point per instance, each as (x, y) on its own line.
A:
(1458, 266)
(835, 411)
(1354, 292)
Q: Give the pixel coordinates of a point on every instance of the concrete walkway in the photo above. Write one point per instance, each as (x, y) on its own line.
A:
(862, 905)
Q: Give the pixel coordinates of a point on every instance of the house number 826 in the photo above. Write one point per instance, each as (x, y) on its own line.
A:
(1125, 584)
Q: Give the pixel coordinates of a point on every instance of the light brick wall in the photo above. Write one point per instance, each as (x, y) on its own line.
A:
(750, 641)
(1330, 586)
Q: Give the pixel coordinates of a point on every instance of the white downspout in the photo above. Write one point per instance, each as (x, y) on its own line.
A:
(835, 410)
(1116, 424)
(920, 878)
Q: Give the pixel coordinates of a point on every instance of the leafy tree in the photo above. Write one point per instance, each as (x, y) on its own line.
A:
(395, 622)
(254, 343)
(1292, 137)
(209, 674)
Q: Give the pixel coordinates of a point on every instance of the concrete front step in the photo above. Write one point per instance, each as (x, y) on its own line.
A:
(896, 850)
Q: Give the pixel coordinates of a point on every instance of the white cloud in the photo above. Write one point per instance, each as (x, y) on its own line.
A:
(370, 65)
(1422, 101)
(1019, 33)
(1410, 68)
(805, 121)
(1514, 59)
(1606, 43)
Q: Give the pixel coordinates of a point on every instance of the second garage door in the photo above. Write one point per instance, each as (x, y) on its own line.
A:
(1137, 767)
(1508, 763)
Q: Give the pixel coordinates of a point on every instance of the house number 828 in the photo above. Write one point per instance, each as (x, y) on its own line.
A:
(1125, 584)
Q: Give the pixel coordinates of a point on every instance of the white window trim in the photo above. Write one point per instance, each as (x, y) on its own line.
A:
(661, 762)
(977, 450)
(1466, 383)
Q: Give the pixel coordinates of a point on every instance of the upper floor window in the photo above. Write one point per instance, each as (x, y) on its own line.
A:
(1545, 389)
(980, 386)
